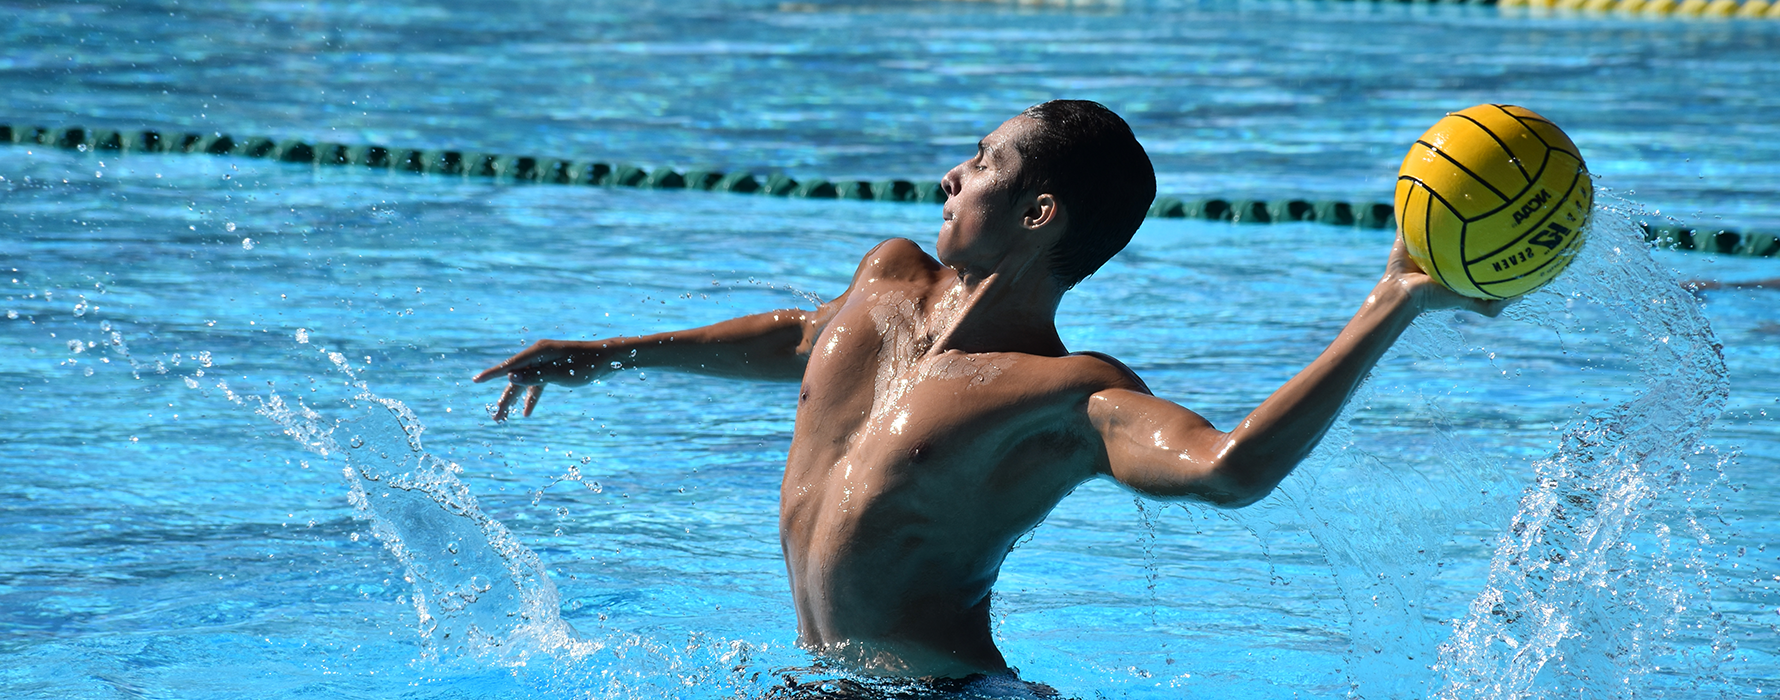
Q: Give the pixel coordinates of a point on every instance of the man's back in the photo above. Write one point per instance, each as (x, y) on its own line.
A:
(915, 467)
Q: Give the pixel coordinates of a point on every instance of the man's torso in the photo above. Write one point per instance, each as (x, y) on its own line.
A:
(913, 472)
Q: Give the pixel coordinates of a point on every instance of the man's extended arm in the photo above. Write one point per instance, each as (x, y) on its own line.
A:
(1162, 449)
(773, 345)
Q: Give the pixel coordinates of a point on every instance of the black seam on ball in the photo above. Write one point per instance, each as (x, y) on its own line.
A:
(1428, 222)
(1559, 255)
(1537, 176)
(1461, 166)
(1512, 158)
(1428, 227)
(1535, 225)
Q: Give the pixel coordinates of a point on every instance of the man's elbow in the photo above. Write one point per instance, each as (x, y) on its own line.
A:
(1232, 489)
(1223, 493)
(1238, 499)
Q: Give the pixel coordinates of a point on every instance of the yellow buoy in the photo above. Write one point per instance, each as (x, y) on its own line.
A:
(1493, 201)
(1752, 9)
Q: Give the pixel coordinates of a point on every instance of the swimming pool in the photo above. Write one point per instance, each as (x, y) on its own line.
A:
(167, 541)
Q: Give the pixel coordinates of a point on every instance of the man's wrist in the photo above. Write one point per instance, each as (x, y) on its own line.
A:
(1396, 293)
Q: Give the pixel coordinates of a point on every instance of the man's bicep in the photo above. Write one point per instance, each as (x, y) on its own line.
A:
(1158, 447)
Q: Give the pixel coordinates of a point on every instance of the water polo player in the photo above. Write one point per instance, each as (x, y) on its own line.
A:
(941, 417)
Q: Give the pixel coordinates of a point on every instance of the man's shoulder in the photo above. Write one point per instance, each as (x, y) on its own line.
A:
(897, 259)
(1104, 365)
(1083, 373)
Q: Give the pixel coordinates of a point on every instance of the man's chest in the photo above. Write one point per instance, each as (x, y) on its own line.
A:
(942, 438)
(919, 416)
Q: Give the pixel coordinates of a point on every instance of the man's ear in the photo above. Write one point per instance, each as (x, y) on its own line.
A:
(1041, 211)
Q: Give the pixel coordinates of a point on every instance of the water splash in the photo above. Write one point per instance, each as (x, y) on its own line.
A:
(480, 595)
(1383, 530)
(477, 590)
(1587, 585)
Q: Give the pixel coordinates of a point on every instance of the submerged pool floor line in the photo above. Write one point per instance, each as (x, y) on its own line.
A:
(535, 169)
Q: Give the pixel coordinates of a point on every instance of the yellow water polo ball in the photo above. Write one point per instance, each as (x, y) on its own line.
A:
(1493, 201)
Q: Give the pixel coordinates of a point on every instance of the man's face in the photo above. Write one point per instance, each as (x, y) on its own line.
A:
(982, 221)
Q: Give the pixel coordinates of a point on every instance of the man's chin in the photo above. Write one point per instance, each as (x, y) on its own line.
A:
(943, 250)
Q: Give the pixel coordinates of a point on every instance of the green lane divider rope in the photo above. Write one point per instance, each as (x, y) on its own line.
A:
(522, 169)
(467, 164)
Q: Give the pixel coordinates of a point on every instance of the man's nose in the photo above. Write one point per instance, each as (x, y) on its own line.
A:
(949, 183)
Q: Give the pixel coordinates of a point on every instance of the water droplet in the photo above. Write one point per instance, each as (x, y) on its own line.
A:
(230, 226)
(11, 314)
(89, 372)
(105, 326)
(76, 346)
(246, 243)
(302, 336)
(356, 442)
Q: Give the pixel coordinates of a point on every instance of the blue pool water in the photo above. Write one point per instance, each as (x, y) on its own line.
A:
(216, 484)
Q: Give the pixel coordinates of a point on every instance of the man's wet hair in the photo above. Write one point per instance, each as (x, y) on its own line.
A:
(1086, 156)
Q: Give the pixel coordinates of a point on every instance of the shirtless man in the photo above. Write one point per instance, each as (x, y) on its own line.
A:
(941, 417)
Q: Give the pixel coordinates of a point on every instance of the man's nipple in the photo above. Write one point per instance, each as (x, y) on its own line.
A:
(919, 452)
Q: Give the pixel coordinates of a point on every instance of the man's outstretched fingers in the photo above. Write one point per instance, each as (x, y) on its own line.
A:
(499, 370)
(531, 398)
(506, 402)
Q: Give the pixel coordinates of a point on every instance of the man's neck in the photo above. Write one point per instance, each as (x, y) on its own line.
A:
(1001, 311)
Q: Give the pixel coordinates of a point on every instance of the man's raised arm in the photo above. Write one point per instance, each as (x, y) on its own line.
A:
(1162, 449)
(774, 345)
